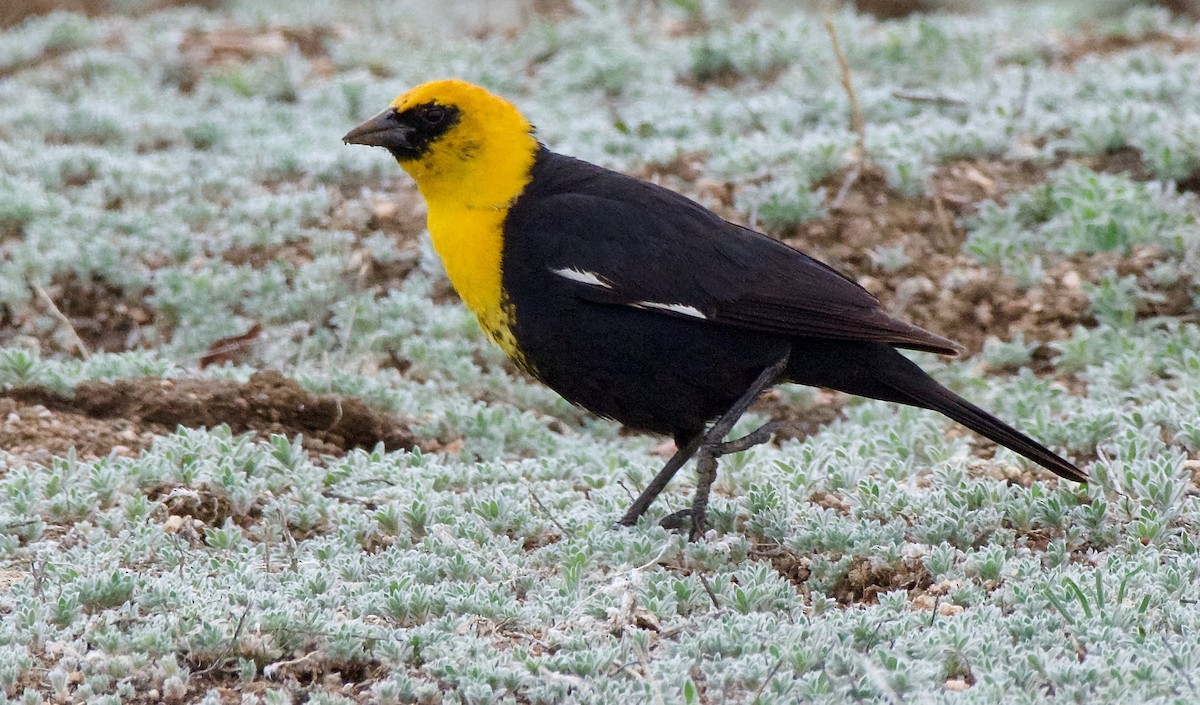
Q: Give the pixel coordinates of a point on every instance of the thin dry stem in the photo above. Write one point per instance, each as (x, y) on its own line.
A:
(63, 321)
(856, 118)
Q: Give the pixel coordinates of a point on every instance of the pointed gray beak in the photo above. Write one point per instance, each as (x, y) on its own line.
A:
(383, 130)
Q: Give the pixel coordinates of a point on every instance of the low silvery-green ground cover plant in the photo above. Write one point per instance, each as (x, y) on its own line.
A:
(885, 558)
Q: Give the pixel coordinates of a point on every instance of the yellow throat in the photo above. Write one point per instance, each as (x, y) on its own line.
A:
(469, 177)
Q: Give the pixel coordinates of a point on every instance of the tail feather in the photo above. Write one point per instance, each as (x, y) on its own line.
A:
(879, 371)
(932, 395)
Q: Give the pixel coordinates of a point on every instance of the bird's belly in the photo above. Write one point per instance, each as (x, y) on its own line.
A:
(646, 369)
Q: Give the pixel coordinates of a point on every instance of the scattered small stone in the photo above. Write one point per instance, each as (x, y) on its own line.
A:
(948, 609)
(645, 619)
(944, 587)
(924, 602)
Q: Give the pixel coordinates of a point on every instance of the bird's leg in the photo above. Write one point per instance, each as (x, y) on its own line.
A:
(710, 446)
(682, 454)
(706, 474)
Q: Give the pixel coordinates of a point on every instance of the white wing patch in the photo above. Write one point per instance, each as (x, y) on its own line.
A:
(592, 279)
(578, 275)
(681, 309)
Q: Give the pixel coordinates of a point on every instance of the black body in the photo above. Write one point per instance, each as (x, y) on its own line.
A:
(741, 301)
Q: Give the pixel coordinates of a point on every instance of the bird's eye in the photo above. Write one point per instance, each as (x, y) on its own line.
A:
(434, 116)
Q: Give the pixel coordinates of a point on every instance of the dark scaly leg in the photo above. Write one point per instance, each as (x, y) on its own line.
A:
(706, 474)
(710, 447)
(686, 449)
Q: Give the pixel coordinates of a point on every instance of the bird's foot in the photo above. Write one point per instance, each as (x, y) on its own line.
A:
(686, 520)
(675, 521)
(706, 472)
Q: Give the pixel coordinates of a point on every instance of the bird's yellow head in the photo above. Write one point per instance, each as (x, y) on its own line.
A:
(461, 143)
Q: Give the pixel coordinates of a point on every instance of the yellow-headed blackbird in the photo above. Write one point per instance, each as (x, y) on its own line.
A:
(637, 303)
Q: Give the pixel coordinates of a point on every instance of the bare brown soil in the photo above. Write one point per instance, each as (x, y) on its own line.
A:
(862, 583)
(943, 289)
(1082, 46)
(123, 417)
(13, 12)
(798, 423)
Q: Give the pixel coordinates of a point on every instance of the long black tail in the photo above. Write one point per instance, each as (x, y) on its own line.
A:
(880, 372)
(926, 392)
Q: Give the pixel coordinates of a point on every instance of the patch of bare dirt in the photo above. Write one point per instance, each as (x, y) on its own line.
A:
(35, 432)
(185, 511)
(210, 508)
(124, 416)
(205, 50)
(864, 582)
(946, 291)
(71, 311)
(1122, 160)
(13, 12)
(798, 423)
(861, 585)
(896, 9)
(105, 318)
(1078, 47)
(1185, 8)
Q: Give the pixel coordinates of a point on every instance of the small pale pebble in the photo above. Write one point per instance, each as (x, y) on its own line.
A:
(957, 685)
(924, 602)
(949, 609)
(994, 472)
(944, 587)
(1072, 280)
(173, 524)
(385, 210)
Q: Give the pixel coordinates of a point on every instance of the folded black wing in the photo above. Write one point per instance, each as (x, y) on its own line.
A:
(625, 242)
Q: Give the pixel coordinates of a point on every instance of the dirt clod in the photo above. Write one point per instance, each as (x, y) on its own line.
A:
(124, 416)
(863, 582)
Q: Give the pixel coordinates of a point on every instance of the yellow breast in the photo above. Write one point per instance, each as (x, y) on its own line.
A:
(469, 242)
